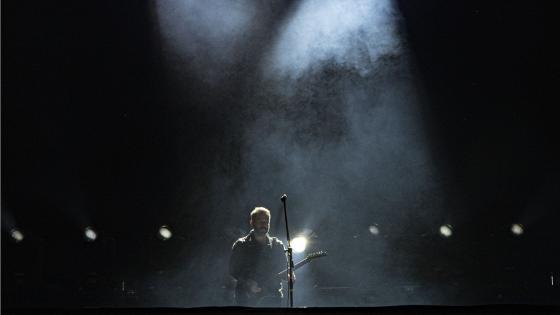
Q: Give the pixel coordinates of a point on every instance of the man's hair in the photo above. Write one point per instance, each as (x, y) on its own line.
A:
(259, 210)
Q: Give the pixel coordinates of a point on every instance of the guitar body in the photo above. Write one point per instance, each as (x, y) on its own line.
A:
(250, 293)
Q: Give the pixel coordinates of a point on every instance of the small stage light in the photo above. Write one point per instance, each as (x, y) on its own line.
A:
(299, 244)
(373, 229)
(89, 234)
(164, 233)
(517, 229)
(446, 230)
(17, 235)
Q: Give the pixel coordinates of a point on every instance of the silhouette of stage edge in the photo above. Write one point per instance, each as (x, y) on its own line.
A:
(483, 309)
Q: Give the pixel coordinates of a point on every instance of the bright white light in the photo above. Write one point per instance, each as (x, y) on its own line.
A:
(446, 230)
(298, 244)
(373, 229)
(17, 236)
(90, 234)
(517, 229)
(165, 233)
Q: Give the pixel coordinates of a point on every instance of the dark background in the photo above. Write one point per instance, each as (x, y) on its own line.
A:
(94, 132)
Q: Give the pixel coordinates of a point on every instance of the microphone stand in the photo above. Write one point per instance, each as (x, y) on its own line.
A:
(290, 260)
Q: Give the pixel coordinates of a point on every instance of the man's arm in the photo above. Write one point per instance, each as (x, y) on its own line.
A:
(235, 263)
(282, 258)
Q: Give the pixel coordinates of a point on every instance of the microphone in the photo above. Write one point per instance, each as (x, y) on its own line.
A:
(284, 197)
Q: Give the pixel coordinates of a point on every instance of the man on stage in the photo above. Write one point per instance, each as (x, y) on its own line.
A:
(256, 259)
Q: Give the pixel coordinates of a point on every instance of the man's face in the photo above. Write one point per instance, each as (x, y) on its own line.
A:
(261, 223)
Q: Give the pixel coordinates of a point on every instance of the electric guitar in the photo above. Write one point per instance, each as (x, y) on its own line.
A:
(254, 295)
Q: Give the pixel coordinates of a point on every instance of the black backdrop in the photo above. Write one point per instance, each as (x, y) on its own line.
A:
(95, 133)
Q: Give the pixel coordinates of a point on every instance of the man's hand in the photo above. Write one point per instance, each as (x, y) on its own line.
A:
(253, 286)
(292, 276)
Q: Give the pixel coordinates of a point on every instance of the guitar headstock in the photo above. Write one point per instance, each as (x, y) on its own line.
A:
(316, 255)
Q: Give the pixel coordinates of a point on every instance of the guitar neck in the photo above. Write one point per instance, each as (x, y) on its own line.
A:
(296, 266)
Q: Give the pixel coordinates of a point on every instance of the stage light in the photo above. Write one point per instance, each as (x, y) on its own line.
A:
(517, 229)
(164, 233)
(373, 229)
(89, 234)
(299, 243)
(17, 235)
(446, 230)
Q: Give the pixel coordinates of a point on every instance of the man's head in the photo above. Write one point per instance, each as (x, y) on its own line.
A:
(260, 220)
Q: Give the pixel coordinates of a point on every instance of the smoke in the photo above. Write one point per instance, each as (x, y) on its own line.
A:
(330, 116)
(205, 36)
(354, 34)
(335, 122)
(347, 161)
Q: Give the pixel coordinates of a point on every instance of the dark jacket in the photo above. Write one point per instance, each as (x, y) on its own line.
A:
(258, 262)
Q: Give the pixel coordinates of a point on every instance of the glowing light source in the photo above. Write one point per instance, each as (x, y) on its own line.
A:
(17, 235)
(89, 234)
(373, 229)
(517, 229)
(299, 244)
(446, 230)
(164, 233)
